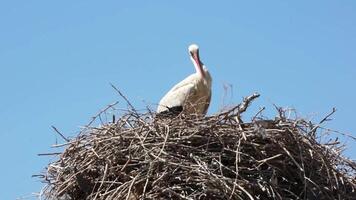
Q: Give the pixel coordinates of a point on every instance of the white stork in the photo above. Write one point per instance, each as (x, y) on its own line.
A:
(191, 95)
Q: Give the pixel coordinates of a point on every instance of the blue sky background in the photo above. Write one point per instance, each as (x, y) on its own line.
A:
(57, 59)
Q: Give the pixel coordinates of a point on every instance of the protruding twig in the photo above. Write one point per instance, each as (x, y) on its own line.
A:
(246, 102)
(124, 97)
(326, 118)
(59, 133)
(101, 112)
(49, 154)
(259, 112)
(242, 107)
(280, 110)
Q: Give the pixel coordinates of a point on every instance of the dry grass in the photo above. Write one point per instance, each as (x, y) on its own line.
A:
(140, 156)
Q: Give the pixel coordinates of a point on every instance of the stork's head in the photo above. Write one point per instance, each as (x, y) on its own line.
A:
(193, 48)
(194, 55)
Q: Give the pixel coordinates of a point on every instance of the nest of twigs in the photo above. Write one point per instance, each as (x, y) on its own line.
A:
(140, 156)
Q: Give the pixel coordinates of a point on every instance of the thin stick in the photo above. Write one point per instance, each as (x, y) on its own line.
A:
(101, 112)
(49, 154)
(259, 112)
(124, 97)
(60, 134)
(326, 118)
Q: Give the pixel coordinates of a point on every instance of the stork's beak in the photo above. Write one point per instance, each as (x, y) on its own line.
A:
(196, 58)
(198, 63)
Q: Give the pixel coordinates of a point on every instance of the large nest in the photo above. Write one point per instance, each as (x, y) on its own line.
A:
(140, 156)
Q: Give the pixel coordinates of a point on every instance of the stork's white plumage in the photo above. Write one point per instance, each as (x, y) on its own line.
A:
(191, 95)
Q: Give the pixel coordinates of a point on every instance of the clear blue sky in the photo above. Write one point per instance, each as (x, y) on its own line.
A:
(57, 59)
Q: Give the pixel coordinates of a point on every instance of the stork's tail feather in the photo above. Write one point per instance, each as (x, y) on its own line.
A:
(170, 112)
